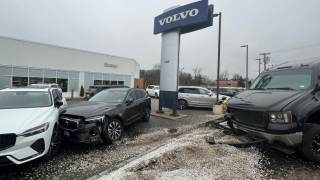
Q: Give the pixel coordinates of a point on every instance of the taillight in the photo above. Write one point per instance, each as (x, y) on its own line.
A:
(94, 94)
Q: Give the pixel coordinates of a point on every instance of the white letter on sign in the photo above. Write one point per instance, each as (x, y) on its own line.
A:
(162, 21)
(184, 16)
(194, 12)
(175, 17)
(169, 19)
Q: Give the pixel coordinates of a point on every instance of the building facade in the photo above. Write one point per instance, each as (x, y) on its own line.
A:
(23, 63)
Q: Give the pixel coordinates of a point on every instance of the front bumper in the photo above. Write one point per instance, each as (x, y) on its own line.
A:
(89, 133)
(290, 140)
(22, 151)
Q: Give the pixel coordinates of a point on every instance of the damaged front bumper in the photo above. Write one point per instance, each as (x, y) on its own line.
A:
(290, 140)
(84, 133)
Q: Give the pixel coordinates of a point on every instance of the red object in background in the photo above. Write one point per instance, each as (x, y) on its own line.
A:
(94, 93)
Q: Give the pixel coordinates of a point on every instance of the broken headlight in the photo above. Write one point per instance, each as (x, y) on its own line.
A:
(95, 119)
(280, 117)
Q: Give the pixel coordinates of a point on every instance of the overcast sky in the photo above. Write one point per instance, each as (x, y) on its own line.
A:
(125, 28)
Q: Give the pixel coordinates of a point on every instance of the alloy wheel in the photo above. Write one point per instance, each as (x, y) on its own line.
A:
(114, 130)
(148, 113)
(54, 144)
(182, 104)
(315, 145)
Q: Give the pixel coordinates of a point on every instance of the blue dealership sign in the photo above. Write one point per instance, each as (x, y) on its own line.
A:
(183, 16)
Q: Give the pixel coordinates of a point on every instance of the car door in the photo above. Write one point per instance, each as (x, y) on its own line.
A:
(192, 96)
(207, 99)
(132, 108)
(140, 104)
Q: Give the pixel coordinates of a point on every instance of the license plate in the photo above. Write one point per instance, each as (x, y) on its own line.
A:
(66, 133)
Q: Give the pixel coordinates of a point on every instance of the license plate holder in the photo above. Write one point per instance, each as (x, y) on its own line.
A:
(66, 133)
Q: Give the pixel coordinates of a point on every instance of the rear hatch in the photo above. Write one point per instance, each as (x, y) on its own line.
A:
(92, 90)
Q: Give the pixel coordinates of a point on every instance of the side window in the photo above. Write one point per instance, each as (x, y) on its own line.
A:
(191, 91)
(181, 90)
(132, 95)
(144, 94)
(202, 91)
(223, 90)
(59, 94)
(138, 94)
(150, 87)
(214, 89)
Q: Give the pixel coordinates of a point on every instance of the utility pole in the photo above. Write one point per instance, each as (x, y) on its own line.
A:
(264, 59)
(219, 40)
(247, 46)
(259, 64)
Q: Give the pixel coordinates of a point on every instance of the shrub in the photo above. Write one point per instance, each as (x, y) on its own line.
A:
(82, 91)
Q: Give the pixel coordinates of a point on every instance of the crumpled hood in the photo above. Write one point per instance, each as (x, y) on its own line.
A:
(88, 108)
(274, 100)
(20, 120)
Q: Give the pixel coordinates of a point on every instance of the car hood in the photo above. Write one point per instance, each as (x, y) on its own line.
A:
(20, 120)
(265, 100)
(89, 108)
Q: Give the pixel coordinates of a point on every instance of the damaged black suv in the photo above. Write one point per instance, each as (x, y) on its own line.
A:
(103, 117)
(282, 106)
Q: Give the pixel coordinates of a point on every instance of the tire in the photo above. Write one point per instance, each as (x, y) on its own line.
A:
(182, 104)
(113, 131)
(156, 96)
(55, 145)
(310, 146)
(146, 117)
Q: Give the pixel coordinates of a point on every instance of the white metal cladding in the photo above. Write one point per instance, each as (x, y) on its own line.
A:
(21, 53)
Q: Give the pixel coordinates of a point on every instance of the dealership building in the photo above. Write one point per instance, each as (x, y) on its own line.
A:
(24, 62)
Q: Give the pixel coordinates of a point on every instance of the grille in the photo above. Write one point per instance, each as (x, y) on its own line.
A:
(255, 118)
(7, 141)
(69, 123)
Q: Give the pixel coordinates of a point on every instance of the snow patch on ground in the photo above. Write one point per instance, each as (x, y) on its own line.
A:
(191, 157)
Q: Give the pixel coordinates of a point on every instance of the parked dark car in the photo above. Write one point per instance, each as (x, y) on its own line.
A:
(224, 91)
(283, 106)
(93, 90)
(103, 117)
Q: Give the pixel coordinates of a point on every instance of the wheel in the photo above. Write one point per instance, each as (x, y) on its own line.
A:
(156, 96)
(55, 144)
(182, 104)
(146, 117)
(113, 132)
(310, 146)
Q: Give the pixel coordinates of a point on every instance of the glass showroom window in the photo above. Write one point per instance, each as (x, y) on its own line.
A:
(62, 80)
(5, 77)
(114, 80)
(97, 79)
(35, 76)
(50, 76)
(127, 81)
(120, 80)
(73, 81)
(106, 79)
(88, 80)
(20, 77)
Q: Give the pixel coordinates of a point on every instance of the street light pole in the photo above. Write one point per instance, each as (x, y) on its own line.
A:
(247, 46)
(259, 64)
(219, 40)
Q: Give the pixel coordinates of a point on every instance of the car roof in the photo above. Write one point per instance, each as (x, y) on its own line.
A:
(107, 85)
(191, 87)
(122, 89)
(296, 64)
(26, 89)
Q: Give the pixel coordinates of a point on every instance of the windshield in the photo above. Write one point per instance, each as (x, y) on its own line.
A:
(93, 89)
(24, 99)
(284, 80)
(109, 96)
(40, 86)
(156, 88)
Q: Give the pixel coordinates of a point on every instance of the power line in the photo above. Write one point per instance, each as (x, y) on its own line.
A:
(296, 48)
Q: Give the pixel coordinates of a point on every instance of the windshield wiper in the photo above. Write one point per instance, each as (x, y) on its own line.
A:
(287, 88)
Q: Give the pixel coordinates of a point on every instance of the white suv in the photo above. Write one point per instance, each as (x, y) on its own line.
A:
(153, 90)
(29, 124)
(46, 86)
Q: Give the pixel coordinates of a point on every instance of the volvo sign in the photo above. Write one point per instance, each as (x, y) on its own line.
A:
(172, 23)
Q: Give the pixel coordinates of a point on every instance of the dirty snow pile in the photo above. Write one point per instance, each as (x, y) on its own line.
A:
(191, 157)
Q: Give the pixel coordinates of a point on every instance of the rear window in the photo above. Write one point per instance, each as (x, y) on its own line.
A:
(93, 89)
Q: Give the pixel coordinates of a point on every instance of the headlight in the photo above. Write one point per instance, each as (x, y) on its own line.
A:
(280, 117)
(35, 130)
(96, 119)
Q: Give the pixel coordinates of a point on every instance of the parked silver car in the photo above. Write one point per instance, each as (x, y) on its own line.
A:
(196, 97)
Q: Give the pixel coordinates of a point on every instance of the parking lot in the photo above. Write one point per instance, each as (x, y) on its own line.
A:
(76, 161)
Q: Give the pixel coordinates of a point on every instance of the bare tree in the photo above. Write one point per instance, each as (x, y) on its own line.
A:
(197, 76)
(224, 75)
(236, 76)
(206, 80)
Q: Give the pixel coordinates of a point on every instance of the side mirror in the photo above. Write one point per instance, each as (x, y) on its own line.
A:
(129, 101)
(58, 103)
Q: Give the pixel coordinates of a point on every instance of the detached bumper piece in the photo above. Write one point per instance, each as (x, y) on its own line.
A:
(211, 141)
(89, 133)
